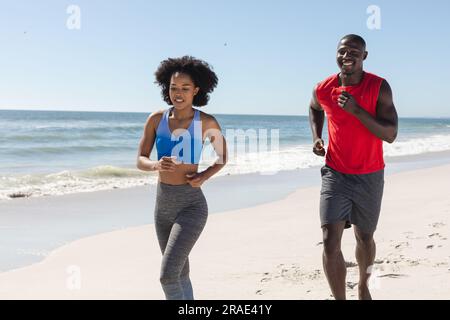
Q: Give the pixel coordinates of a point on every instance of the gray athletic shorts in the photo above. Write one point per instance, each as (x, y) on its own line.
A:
(354, 198)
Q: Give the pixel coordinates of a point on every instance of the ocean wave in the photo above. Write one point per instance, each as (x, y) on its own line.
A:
(265, 162)
(416, 146)
(112, 172)
(38, 137)
(88, 125)
(66, 149)
(67, 182)
(301, 157)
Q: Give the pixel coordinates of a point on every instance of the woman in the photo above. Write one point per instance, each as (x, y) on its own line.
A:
(179, 133)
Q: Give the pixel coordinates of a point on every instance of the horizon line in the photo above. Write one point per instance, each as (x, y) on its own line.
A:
(231, 114)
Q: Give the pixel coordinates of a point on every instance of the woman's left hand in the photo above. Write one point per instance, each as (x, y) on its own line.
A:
(196, 179)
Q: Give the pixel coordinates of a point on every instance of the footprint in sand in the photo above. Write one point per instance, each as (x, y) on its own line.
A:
(440, 264)
(351, 285)
(395, 260)
(293, 273)
(350, 264)
(438, 225)
(392, 275)
(266, 277)
(378, 261)
(412, 262)
(410, 235)
(436, 236)
(401, 245)
(316, 274)
(284, 272)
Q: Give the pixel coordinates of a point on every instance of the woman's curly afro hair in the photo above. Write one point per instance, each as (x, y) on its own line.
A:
(199, 71)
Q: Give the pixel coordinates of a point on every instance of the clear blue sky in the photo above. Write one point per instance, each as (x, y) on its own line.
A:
(268, 54)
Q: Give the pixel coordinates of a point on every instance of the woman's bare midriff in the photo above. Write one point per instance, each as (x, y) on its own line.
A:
(179, 175)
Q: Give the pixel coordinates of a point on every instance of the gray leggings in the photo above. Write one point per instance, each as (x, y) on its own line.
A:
(180, 215)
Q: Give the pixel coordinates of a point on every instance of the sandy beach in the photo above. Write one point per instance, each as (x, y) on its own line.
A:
(268, 251)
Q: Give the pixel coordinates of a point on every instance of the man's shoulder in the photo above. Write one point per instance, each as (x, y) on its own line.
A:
(326, 85)
(328, 80)
(374, 76)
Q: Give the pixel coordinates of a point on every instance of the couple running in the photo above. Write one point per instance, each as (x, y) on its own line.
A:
(361, 115)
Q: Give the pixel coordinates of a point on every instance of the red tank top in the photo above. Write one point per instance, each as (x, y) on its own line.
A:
(352, 148)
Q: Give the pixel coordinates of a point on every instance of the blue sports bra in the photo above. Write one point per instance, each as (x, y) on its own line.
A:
(185, 144)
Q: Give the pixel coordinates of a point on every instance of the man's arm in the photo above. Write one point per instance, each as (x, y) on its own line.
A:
(316, 119)
(385, 124)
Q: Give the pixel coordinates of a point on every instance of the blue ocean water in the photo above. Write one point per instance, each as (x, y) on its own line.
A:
(55, 152)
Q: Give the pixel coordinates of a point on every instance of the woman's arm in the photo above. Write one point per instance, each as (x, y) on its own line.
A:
(146, 145)
(214, 133)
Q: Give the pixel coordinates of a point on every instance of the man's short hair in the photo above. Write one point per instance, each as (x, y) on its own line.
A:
(355, 38)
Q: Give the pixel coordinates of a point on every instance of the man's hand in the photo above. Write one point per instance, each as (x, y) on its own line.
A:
(348, 103)
(318, 147)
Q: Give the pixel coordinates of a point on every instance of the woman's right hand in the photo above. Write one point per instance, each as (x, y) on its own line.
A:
(166, 164)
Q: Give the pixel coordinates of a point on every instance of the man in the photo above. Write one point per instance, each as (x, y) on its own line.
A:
(361, 115)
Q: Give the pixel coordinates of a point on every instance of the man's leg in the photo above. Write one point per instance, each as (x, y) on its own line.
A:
(365, 255)
(333, 260)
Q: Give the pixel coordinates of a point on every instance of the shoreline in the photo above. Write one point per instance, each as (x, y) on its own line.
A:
(130, 177)
(279, 257)
(35, 227)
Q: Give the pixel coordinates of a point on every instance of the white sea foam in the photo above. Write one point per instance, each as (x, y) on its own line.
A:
(267, 162)
(417, 146)
(66, 182)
